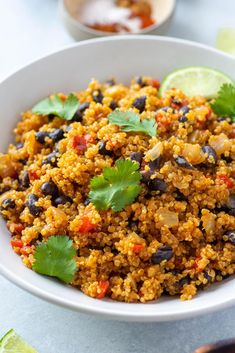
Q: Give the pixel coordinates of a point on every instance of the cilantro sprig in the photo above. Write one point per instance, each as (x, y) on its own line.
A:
(55, 105)
(130, 121)
(225, 102)
(117, 187)
(55, 258)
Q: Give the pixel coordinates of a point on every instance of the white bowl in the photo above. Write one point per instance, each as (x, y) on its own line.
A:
(162, 12)
(71, 69)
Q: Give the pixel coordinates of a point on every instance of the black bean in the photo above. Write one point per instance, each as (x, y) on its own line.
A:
(19, 145)
(227, 159)
(180, 196)
(50, 159)
(212, 156)
(33, 209)
(182, 162)
(183, 119)
(49, 188)
(62, 200)
(113, 105)
(176, 102)
(183, 281)
(207, 276)
(51, 117)
(87, 202)
(157, 185)
(139, 103)
(8, 203)
(232, 211)
(155, 164)
(165, 252)
(132, 223)
(184, 110)
(231, 201)
(145, 176)
(111, 82)
(137, 157)
(163, 109)
(230, 236)
(4, 189)
(23, 161)
(97, 96)
(103, 151)
(56, 135)
(25, 182)
(139, 80)
(41, 136)
(81, 109)
(223, 118)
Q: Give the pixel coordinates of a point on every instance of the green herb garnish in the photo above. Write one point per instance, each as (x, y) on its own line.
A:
(58, 107)
(130, 121)
(117, 187)
(225, 103)
(56, 258)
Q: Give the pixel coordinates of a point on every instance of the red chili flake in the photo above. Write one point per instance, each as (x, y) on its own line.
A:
(16, 243)
(138, 248)
(15, 228)
(33, 175)
(79, 143)
(26, 250)
(196, 264)
(226, 180)
(86, 225)
(104, 286)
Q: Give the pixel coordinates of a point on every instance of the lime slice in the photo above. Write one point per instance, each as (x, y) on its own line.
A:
(12, 343)
(226, 40)
(196, 81)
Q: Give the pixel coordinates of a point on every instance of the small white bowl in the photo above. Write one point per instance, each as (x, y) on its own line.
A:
(69, 70)
(162, 12)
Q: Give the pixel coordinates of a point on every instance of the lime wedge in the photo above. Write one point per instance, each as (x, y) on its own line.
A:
(225, 40)
(12, 343)
(196, 81)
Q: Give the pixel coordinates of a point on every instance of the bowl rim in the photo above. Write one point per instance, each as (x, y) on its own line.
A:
(91, 309)
(82, 27)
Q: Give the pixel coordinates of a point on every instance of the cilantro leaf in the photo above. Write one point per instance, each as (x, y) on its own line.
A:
(130, 121)
(56, 258)
(58, 107)
(117, 187)
(225, 103)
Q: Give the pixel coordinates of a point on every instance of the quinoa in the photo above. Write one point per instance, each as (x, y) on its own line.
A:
(176, 237)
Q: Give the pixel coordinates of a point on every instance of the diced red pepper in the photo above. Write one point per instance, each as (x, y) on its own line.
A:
(26, 250)
(104, 286)
(16, 228)
(86, 225)
(138, 247)
(208, 115)
(196, 264)
(226, 180)
(16, 243)
(80, 143)
(33, 175)
(154, 83)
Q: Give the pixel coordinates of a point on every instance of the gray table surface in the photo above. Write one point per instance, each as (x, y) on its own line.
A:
(31, 28)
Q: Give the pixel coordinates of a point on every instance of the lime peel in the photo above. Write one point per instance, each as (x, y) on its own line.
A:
(11, 342)
(196, 81)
